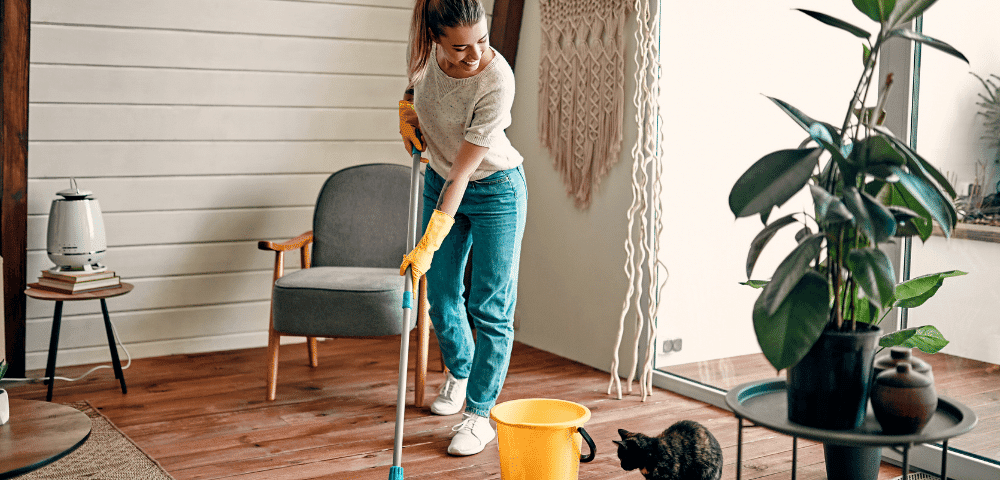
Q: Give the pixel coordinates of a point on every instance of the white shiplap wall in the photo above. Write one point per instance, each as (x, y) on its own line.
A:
(201, 126)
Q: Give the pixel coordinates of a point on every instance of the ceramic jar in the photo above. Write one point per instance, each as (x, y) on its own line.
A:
(4, 407)
(903, 400)
(901, 354)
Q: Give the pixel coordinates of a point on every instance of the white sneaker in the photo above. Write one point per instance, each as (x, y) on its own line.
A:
(451, 397)
(472, 435)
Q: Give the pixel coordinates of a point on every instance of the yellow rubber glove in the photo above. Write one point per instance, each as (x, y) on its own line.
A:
(409, 124)
(421, 256)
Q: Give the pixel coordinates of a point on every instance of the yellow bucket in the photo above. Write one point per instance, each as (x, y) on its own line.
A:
(540, 439)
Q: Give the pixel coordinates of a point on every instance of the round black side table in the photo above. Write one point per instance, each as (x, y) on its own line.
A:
(765, 403)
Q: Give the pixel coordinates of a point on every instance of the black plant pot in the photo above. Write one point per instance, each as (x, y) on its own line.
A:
(852, 463)
(829, 387)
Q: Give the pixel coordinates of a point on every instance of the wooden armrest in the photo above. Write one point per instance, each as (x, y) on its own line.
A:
(293, 244)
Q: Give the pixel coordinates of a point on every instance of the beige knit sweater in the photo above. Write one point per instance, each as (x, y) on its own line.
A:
(476, 109)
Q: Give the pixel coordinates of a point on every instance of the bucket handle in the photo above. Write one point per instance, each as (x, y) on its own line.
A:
(590, 443)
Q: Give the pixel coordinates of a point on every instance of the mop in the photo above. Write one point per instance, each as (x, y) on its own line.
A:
(396, 471)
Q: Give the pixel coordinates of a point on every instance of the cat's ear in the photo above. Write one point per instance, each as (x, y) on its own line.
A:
(620, 443)
(624, 433)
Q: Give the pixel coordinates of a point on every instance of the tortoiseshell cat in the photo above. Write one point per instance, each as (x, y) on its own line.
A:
(685, 451)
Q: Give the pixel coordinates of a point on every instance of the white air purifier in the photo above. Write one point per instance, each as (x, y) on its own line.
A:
(75, 239)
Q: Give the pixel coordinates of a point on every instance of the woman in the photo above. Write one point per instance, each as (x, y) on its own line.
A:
(474, 194)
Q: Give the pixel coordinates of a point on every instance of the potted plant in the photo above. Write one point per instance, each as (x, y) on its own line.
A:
(818, 314)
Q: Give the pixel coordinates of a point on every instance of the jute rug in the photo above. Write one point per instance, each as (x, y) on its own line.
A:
(106, 455)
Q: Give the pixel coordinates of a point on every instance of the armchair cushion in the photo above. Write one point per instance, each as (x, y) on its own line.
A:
(339, 301)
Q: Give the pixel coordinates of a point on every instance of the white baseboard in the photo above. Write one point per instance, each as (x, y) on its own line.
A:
(101, 354)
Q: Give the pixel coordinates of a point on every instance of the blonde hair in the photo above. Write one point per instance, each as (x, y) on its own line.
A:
(430, 18)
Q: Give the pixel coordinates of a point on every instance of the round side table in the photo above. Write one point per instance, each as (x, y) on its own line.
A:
(765, 403)
(41, 293)
(38, 434)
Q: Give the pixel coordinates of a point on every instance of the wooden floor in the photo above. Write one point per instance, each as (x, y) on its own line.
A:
(974, 383)
(204, 416)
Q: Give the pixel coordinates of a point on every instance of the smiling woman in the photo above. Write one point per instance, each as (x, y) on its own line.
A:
(475, 193)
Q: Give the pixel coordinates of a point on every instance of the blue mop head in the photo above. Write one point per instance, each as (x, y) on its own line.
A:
(396, 473)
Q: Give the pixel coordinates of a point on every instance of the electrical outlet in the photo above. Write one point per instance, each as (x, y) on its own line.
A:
(672, 345)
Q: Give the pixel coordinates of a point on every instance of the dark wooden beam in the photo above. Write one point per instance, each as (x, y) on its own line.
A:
(15, 25)
(505, 31)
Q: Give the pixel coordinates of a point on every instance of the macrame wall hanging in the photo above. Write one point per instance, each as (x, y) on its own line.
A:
(642, 243)
(582, 89)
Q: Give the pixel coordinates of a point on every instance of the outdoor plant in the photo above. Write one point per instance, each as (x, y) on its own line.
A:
(990, 110)
(991, 116)
(868, 188)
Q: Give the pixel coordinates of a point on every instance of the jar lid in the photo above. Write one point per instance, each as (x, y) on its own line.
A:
(74, 192)
(903, 376)
(899, 352)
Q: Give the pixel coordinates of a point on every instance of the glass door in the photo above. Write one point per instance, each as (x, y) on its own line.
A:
(958, 130)
(717, 122)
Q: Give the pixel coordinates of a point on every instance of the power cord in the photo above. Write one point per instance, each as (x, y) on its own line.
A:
(118, 342)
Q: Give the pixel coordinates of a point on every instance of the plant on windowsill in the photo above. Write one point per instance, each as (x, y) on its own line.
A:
(982, 207)
(868, 188)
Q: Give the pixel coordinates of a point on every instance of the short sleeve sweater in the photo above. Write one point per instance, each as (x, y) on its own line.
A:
(476, 109)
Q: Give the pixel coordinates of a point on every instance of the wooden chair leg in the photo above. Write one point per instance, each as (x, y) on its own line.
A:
(273, 341)
(423, 339)
(313, 352)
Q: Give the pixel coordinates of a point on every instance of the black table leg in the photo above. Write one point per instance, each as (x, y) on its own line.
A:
(50, 367)
(114, 347)
(795, 455)
(739, 448)
(944, 461)
(906, 460)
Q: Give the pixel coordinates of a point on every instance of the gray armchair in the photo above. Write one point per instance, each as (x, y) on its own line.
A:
(350, 287)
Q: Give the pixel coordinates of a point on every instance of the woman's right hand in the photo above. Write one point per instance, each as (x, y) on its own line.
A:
(409, 127)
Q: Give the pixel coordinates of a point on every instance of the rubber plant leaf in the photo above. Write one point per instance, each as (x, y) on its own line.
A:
(929, 41)
(805, 121)
(928, 197)
(883, 221)
(872, 271)
(906, 10)
(790, 272)
(877, 10)
(918, 164)
(786, 335)
(911, 217)
(765, 215)
(915, 291)
(864, 311)
(772, 180)
(762, 238)
(755, 283)
(829, 208)
(926, 338)
(802, 234)
(853, 201)
(836, 22)
(3, 368)
(879, 150)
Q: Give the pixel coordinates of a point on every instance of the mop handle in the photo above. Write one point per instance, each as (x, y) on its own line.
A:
(404, 342)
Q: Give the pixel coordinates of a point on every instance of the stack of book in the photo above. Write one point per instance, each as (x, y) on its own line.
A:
(78, 281)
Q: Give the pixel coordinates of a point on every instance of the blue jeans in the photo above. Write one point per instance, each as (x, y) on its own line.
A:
(491, 217)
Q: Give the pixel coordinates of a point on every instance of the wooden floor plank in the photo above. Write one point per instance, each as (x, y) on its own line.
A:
(204, 416)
